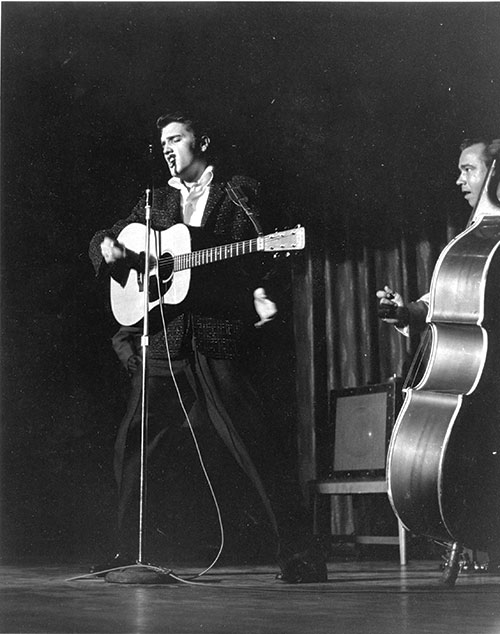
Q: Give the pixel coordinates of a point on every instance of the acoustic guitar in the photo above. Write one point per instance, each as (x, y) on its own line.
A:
(172, 259)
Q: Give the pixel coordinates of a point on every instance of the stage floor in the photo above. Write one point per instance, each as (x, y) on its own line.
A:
(372, 597)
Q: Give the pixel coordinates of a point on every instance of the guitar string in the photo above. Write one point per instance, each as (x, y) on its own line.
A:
(206, 256)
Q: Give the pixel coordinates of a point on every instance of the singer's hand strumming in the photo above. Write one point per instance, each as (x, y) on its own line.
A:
(112, 250)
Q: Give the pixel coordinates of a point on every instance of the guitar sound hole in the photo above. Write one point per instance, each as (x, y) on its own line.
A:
(166, 267)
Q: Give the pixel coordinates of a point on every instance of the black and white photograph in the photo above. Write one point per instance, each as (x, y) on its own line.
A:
(250, 296)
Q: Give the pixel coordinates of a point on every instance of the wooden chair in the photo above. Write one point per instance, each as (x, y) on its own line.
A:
(358, 487)
(353, 449)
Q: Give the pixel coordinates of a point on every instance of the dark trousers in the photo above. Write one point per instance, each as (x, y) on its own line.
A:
(217, 393)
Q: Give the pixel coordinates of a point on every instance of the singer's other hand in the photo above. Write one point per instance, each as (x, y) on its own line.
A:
(266, 309)
(133, 362)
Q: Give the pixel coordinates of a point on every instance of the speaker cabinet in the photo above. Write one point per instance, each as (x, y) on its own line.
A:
(359, 428)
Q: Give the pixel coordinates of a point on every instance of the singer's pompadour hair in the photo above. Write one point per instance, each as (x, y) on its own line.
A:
(198, 127)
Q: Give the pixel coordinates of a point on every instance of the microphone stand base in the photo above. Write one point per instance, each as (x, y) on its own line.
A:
(143, 575)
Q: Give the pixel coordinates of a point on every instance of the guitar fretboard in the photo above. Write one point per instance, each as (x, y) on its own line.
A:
(213, 254)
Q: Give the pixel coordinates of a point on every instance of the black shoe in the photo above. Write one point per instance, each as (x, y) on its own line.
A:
(306, 567)
(118, 561)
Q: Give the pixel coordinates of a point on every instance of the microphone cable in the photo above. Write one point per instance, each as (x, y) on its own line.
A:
(191, 429)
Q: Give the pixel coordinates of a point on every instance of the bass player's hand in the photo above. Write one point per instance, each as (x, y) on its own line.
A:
(390, 302)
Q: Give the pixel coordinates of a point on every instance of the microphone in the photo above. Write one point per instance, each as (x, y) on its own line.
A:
(149, 165)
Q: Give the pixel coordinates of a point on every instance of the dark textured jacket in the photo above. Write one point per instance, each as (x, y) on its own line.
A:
(217, 320)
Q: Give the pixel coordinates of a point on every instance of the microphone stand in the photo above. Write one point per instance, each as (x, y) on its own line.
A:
(156, 573)
(145, 391)
(144, 572)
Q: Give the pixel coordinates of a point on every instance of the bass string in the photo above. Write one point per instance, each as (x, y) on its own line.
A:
(419, 361)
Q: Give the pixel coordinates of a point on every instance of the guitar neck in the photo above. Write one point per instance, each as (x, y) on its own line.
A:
(217, 254)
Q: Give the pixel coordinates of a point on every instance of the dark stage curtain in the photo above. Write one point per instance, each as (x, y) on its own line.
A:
(340, 341)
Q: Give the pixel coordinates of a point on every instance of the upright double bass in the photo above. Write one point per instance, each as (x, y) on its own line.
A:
(443, 464)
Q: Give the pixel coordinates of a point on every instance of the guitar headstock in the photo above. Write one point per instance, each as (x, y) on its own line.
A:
(286, 240)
